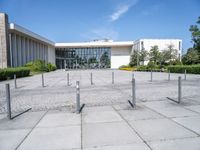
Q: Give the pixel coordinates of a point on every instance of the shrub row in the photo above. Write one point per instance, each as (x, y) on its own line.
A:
(193, 69)
(8, 73)
(40, 66)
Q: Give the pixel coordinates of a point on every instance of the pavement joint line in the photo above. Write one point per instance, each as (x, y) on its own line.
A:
(31, 130)
(144, 141)
(174, 121)
(192, 110)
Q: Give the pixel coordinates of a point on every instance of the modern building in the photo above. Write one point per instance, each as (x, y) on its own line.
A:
(19, 46)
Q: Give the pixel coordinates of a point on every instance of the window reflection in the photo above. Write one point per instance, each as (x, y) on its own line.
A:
(83, 58)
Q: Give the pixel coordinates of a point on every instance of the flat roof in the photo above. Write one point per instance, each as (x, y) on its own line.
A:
(95, 44)
(30, 33)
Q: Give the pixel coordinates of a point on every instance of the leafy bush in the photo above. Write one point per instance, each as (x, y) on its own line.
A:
(51, 67)
(127, 68)
(40, 66)
(194, 69)
(8, 73)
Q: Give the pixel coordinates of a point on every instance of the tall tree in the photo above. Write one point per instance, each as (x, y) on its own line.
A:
(154, 54)
(191, 57)
(143, 54)
(134, 60)
(194, 29)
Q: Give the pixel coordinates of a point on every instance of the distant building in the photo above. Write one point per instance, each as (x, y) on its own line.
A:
(19, 46)
(163, 44)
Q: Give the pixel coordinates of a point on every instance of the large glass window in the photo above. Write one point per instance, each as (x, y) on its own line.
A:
(75, 58)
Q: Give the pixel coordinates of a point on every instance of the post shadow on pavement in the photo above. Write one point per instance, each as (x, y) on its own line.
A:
(9, 108)
(179, 92)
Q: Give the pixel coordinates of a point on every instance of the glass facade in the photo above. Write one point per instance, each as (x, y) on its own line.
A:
(83, 58)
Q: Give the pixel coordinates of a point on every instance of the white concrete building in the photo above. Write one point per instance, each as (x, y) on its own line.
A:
(20, 46)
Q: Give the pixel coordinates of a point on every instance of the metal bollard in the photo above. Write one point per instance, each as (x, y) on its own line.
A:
(42, 80)
(91, 78)
(68, 79)
(151, 76)
(133, 76)
(169, 75)
(113, 78)
(133, 92)
(15, 80)
(179, 90)
(8, 101)
(185, 73)
(77, 97)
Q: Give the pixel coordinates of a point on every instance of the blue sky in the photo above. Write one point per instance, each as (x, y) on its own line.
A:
(85, 20)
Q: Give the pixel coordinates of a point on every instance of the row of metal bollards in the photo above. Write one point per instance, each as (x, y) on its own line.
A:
(169, 75)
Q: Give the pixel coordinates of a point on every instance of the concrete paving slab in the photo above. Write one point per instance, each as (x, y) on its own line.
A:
(192, 123)
(177, 144)
(102, 134)
(139, 114)
(60, 119)
(194, 108)
(97, 108)
(135, 146)
(10, 139)
(53, 138)
(175, 112)
(24, 121)
(160, 129)
(101, 116)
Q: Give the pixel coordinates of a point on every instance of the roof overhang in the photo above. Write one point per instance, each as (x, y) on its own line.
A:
(22, 30)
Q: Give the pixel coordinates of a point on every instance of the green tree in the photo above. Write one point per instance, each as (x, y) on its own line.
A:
(169, 54)
(194, 29)
(134, 60)
(143, 54)
(155, 55)
(191, 57)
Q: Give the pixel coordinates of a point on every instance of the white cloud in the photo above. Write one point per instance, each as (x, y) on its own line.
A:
(122, 9)
(102, 33)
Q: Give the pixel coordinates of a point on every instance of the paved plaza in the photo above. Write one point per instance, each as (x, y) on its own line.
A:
(107, 121)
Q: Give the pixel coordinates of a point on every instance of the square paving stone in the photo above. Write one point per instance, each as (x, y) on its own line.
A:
(177, 144)
(175, 112)
(139, 114)
(160, 129)
(55, 119)
(101, 116)
(97, 108)
(192, 123)
(102, 134)
(136, 146)
(53, 138)
(10, 139)
(26, 120)
(194, 108)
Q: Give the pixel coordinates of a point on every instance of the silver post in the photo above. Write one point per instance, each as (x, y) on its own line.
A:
(133, 92)
(133, 76)
(15, 80)
(169, 75)
(91, 78)
(185, 73)
(8, 100)
(68, 79)
(151, 76)
(113, 78)
(179, 89)
(42, 80)
(77, 97)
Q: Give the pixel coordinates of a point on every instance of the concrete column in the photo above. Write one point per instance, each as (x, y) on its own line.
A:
(15, 50)
(4, 41)
(19, 51)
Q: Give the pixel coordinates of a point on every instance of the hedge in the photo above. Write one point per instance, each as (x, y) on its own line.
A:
(193, 69)
(8, 73)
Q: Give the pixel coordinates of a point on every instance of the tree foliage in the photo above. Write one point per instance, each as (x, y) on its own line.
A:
(195, 31)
